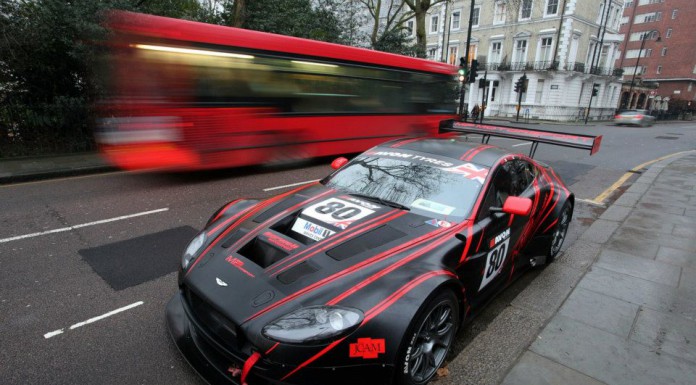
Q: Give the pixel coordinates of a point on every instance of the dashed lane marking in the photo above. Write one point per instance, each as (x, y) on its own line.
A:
(91, 320)
(82, 225)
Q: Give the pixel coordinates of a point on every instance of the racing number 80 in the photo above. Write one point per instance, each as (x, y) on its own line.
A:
(496, 259)
(338, 210)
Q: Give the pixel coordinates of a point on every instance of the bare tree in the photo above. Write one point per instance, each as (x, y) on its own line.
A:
(387, 16)
(419, 9)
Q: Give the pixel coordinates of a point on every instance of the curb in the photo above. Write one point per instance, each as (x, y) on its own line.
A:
(16, 178)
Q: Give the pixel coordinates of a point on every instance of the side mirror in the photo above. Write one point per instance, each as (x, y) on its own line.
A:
(517, 206)
(338, 163)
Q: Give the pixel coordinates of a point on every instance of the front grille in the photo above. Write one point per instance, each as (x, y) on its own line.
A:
(214, 323)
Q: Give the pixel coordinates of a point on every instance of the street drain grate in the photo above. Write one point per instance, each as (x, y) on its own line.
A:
(667, 137)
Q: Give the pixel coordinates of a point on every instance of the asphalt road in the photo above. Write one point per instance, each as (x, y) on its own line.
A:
(88, 263)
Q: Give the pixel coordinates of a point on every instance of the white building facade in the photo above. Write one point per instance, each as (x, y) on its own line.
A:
(566, 48)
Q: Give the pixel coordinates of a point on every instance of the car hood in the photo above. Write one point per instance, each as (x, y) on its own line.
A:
(302, 248)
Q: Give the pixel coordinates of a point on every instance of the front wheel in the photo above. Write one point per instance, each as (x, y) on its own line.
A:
(430, 336)
(560, 232)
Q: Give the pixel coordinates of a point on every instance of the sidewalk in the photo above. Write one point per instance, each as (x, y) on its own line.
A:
(631, 318)
(24, 169)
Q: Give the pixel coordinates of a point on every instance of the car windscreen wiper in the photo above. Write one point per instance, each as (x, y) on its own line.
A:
(382, 201)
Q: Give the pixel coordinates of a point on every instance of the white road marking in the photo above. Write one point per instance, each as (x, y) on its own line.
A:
(82, 225)
(290, 185)
(53, 333)
(522, 144)
(95, 319)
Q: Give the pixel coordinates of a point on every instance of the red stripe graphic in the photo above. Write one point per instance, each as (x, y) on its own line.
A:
(262, 226)
(249, 212)
(478, 150)
(372, 313)
(352, 231)
(349, 271)
(404, 142)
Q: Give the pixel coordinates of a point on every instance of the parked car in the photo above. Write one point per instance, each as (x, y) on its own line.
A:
(637, 117)
(368, 273)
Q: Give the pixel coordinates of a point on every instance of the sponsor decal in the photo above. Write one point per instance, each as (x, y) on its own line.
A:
(496, 257)
(336, 212)
(234, 370)
(220, 282)
(239, 264)
(434, 207)
(362, 203)
(311, 230)
(438, 223)
(280, 242)
(470, 171)
(419, 158)
(367, 348)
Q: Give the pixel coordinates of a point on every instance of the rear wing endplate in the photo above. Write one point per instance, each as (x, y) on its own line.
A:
(585, 142)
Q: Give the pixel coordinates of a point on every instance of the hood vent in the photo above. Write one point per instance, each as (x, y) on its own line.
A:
(297, 272)
(368, 241)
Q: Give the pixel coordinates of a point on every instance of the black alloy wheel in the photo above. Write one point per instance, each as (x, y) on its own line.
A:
(560, 231)
(430, 340)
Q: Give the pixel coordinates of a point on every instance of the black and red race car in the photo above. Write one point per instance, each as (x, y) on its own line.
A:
(367, 275)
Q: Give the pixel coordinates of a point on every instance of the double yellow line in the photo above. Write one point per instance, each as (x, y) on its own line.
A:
(599, 199)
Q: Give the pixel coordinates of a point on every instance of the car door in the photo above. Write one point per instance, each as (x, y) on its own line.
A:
(497, 232)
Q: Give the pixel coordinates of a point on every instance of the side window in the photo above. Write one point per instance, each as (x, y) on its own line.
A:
(499, 189)
(522, 175)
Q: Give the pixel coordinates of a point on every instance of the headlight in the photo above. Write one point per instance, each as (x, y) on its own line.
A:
(313, 324)
(192, 250)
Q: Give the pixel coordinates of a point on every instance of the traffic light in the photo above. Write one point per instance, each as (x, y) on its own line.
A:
(473, 73)
(518, 85)
(524, 81)
(595, 89)
(462, 70)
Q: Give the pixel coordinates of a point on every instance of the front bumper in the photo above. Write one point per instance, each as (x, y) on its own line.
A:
(213, 362)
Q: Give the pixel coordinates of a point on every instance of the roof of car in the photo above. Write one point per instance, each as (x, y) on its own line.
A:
(453, 147)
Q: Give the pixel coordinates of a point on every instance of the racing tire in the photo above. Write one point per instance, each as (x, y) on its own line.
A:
(559, 232)
(430, 336)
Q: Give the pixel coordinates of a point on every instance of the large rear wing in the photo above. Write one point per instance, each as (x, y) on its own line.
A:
(585, 142)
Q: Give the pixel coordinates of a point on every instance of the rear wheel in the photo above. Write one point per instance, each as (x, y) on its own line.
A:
(430, 336)
(560, 232)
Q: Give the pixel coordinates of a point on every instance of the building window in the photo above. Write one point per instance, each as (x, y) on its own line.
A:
(648, 52)
(659, 70)
(664, 51)
(496, 50)
(669, 33)
(644, 70)
(551, 7)
(539, 91)
(431, 53)
(658, 16)
(452, 58)
(499, 13)
(674, 14)
(433, 23)
(475, 17)
(520, 51)
(409, 27)
(526, 9)
(456, 20)
(546, 50)
(629, 4)
(691, 87)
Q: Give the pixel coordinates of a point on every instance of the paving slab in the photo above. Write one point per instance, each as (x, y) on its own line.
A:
(628, 199)
(639, 242)
(603, 312)
(676, 208)
(548, 291)
(609, 358)
(533, 369)
(600, 231)
(676, 256)
(666, 333)
(650, 270)
(580, 255)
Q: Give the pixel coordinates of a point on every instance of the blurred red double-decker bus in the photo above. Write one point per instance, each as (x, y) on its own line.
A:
(185, 95)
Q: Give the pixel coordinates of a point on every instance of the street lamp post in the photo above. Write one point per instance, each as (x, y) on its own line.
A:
(643, 38)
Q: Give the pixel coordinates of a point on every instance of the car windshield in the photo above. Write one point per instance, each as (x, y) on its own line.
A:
(433, 188)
